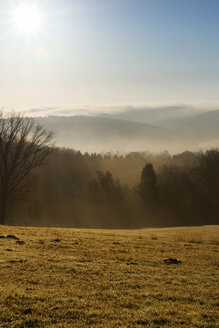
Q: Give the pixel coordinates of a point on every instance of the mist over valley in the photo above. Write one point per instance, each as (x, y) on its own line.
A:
(173, 129)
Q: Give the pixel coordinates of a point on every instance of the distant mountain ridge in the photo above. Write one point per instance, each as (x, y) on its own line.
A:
(154, 115)
(99, 134)
(157, 130)
(201, 127)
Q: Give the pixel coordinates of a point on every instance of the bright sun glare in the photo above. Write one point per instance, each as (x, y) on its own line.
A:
(27, 19)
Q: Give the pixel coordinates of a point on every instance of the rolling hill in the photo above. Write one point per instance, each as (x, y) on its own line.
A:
(97, 134)
(172, 128)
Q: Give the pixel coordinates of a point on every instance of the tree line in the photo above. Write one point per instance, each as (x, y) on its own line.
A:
(48, 186)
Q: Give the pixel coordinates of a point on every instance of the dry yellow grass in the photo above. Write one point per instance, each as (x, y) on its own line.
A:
(109, 278)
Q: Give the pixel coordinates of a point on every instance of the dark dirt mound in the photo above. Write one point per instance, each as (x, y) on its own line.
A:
(12, 237)
(172, 261)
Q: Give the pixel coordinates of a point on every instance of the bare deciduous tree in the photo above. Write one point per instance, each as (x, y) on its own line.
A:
(24, 145)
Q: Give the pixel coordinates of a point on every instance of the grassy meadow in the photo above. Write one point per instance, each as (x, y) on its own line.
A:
(109, 278)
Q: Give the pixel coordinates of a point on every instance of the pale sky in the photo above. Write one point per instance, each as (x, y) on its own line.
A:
(108, 52)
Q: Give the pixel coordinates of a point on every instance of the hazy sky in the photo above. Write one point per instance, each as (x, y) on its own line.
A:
(110, 52)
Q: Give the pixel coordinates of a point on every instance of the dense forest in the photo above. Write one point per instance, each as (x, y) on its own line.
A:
(135, 190)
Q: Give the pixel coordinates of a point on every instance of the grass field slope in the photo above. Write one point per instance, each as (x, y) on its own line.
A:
(109, 278)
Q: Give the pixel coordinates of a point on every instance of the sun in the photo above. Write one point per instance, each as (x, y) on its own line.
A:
(27, 19)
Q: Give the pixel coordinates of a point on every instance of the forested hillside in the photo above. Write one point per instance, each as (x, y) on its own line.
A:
(131, 191)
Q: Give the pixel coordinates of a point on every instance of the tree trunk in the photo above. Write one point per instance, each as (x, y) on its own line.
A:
(4, 202)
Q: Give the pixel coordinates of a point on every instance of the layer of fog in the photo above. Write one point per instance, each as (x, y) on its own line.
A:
(125, 129)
